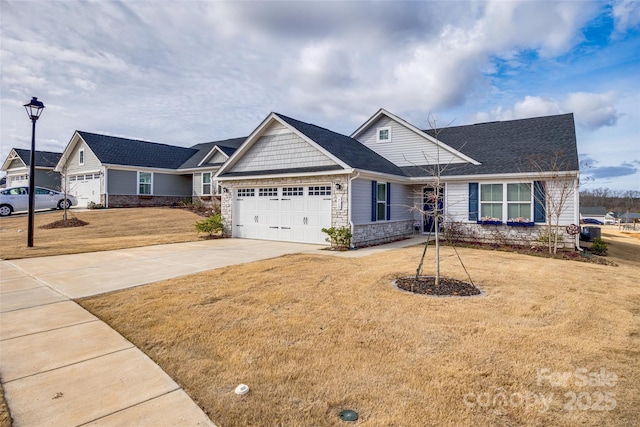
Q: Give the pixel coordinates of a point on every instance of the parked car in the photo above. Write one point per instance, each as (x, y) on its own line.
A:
(592, 221)
(16, 199)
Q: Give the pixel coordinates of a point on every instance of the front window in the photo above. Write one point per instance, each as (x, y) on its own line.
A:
(81, 156)
(491, 201)
(381, 202)
(519, 202)
(206, 183)
(144, 182)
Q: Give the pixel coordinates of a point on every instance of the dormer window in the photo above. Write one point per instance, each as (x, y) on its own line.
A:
(384, 134)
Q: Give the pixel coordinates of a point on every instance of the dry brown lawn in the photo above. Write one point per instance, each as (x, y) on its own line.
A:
(108, 229)
(314, 334)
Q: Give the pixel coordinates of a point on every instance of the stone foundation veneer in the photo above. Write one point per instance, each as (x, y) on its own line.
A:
(129, 201)
(380, 232)
(508, 235)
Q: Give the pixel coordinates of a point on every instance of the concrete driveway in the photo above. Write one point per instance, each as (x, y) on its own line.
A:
(61, 366)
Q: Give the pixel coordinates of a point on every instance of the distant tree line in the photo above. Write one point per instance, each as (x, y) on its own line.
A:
(612, 200)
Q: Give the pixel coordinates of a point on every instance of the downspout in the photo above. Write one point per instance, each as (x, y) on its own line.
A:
(576, 210)
(349, 206)
(106, 188)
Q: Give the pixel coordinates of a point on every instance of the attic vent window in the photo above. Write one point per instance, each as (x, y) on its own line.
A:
(384, 134)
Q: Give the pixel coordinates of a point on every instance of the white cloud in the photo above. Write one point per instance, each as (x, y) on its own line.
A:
(626, 14)
(591, 110)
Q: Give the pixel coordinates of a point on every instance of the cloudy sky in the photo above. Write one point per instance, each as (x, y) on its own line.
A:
(189, 72)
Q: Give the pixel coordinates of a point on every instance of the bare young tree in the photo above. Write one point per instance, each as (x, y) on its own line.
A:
(435, 213)
(558, 189)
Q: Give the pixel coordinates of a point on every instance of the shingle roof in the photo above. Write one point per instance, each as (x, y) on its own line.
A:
(131, 152)
(510, 146)
(228, 146)
(45, 159)
(347, 149)
(593, 210)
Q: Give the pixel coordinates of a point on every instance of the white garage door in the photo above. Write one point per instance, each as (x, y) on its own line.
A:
(292, 214)
(85, 187)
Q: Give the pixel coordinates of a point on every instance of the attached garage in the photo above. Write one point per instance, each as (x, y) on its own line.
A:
(288, 213)
(86, 188)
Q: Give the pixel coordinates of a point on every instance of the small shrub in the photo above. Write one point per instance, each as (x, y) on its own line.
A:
(94, 205)
(212, 225)
(339, 237)
(599, 247)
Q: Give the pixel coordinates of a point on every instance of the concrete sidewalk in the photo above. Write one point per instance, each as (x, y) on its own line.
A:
(61, 366)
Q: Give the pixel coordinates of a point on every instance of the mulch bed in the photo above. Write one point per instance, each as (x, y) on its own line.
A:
(71, 222)
(426, 285)
(540, 251)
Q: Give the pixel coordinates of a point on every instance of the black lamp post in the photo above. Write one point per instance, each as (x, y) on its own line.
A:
(34, 109)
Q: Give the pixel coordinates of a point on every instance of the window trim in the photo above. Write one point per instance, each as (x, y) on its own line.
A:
(375, 202)
(150, 184)
(202, 184)
(380, 130)
(505, 200)
(81, 157)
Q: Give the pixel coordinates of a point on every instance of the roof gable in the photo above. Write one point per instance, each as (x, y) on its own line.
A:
(341, 151)
(407, 145)
(202, 158)
(43, 159)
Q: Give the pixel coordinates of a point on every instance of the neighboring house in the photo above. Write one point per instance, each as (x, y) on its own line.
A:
(205, 163)
(594, 212)
(121, 172)
(630, 217)
(289, 179)
(17, 168)
(611, 218)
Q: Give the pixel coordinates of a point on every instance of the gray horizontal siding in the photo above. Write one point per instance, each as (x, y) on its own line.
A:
(171, 185)
(406, 148)
(122, 182)
(361, 201)
(91, 162)
(402, 199)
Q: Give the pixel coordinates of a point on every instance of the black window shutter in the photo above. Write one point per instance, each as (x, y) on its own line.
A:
(539, 201)
(374, 199)
(388, 201)
(473, 201)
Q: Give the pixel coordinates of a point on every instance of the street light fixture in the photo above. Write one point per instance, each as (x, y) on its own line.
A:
(34, 109)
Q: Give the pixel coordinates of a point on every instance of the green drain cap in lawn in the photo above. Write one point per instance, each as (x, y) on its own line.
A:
(348, 415)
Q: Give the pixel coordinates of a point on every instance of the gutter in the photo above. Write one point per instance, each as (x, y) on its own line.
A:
(349, 206)
(106, 188)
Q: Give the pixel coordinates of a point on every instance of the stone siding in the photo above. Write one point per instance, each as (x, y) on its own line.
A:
(129, 201)
(381, 232)
(507, 235)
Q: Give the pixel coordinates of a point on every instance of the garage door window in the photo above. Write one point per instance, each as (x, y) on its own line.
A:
(320, 190)
(268, 192)
(293, 191)
(246, 192)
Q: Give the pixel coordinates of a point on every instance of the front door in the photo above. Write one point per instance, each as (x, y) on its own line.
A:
(432, 201)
